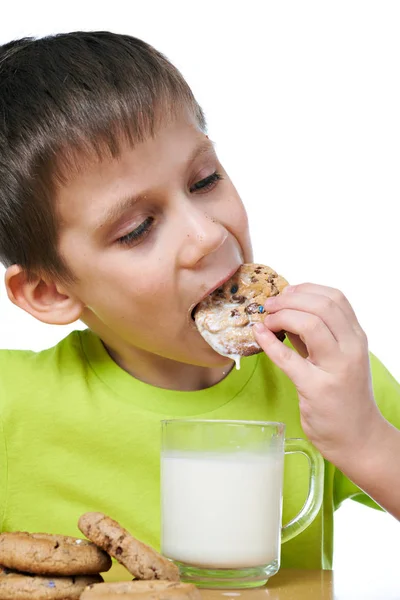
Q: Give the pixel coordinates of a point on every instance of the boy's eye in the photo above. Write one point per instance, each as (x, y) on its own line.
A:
(138, 233)
(144, 228)
(207, 183)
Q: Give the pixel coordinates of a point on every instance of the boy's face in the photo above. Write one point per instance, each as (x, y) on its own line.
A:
(149, 235)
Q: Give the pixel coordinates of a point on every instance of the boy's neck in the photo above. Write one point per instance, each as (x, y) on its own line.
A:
(165, 373)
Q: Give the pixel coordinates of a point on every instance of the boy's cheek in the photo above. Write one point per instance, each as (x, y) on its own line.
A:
(243, 235)
(234, 217)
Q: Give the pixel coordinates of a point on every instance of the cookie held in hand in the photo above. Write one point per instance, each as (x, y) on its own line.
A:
(226, 316)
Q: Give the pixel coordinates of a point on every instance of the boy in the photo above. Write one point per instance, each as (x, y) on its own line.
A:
(115, 210)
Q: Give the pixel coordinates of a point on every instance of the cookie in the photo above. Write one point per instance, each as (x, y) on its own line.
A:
(140, 560)
(226, 316)
(148, 590)
(18, 586)
(46, 554)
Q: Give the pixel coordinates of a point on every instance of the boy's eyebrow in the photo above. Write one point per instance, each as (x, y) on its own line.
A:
(123, 204)
(205, 146)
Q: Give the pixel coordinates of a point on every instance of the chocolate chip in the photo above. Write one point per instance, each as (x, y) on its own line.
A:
(271, 278)
(258, 270)
(274, 290)
(252, 308)
(56, 546)
(235, 312)
(239, 299)
(254, 279)
(118, 551)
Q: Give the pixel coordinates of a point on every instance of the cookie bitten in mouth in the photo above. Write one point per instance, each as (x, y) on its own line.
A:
(225, 318)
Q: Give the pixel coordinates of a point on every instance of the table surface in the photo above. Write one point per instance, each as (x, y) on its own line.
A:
(295, 584)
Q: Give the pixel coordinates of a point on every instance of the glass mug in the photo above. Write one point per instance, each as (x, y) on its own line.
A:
(221, 499)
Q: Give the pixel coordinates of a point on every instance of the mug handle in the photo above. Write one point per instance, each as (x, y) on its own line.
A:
(315, 494)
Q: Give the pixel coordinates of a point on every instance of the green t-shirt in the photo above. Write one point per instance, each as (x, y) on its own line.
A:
(80, 434)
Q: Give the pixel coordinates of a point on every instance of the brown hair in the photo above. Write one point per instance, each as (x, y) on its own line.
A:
(63, 97)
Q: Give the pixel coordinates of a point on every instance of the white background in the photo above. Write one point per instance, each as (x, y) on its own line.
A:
(303, 101)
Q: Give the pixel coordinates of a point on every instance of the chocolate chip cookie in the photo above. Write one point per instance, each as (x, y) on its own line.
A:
(21, 586)
(140, 560)
(47, 554)
(226, 316)
(148, 590)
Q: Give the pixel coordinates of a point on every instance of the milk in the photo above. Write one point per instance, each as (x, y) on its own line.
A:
(213, 340)
(221, 510)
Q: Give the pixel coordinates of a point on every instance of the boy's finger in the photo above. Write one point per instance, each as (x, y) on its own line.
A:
(298, 345)
(313, 332)
(334, 294)
(293, 365)
(320, 306)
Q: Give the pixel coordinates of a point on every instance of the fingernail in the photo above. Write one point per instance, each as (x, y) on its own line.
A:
(288, 288)
(269, 301)
(259, 327)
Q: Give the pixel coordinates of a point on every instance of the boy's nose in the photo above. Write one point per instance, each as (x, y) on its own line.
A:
(201, 235)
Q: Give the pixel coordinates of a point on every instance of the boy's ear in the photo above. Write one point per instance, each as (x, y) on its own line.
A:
(44, 299)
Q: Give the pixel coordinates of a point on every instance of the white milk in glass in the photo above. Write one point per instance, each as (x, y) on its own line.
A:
(221, 510)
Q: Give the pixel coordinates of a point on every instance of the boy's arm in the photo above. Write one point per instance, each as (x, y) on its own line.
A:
(331, 371)
(376, 470)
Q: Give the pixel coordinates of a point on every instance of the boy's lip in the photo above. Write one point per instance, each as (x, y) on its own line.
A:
(212, 289)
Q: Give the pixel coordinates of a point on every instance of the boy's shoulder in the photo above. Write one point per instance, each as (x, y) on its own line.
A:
(71, 346)
(23, 371)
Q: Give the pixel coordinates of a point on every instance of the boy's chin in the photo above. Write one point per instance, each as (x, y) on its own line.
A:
(211, 359)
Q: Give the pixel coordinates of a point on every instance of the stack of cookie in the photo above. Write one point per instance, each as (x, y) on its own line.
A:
(37, 566)
(156, 578)
(48, 567)
(141, 590)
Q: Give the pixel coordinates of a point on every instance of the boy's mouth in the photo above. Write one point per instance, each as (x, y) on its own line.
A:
(215, 287)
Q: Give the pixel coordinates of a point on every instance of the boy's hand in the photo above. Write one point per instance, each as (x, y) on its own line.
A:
(330, 369)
